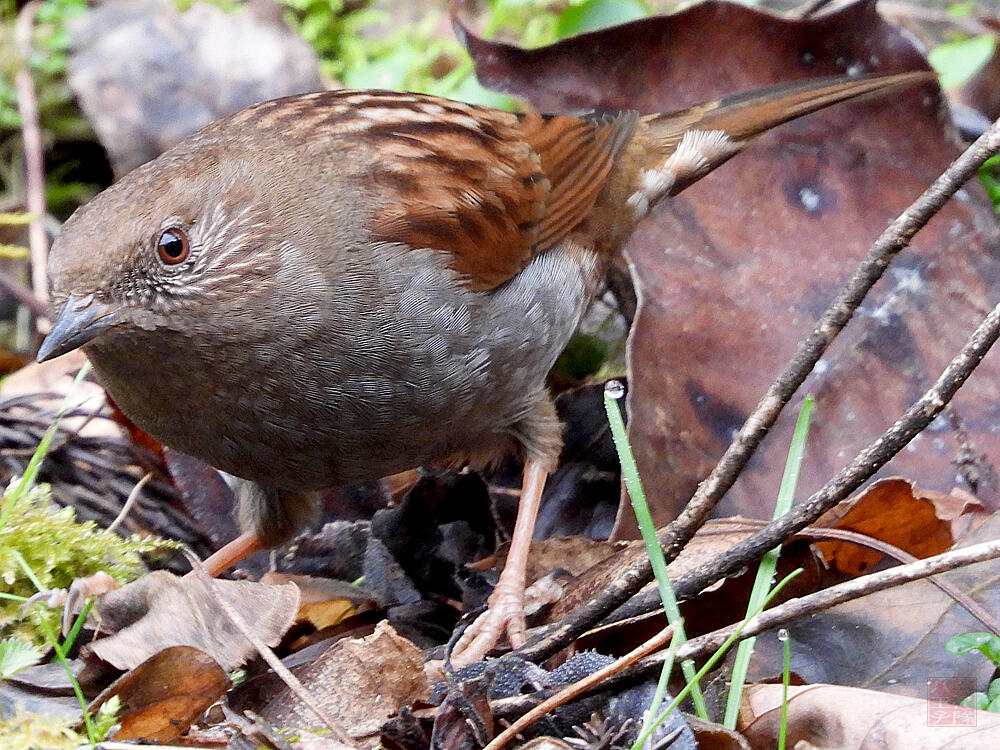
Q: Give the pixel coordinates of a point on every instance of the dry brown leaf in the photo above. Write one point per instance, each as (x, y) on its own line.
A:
(830, 716)
(161, 610)
(711, 736)
(359, 683)
(165, 694)
(897, 511)
(323, 602)
(893, 640)
(732, 274)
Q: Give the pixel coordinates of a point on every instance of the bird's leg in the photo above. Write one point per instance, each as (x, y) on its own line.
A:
(232, 552)
(267, 518)
(505, 612)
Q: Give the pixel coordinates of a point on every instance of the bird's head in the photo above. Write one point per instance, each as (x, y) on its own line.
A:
(160, 249)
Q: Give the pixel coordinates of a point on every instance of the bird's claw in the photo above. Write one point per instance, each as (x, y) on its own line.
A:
(503, 616)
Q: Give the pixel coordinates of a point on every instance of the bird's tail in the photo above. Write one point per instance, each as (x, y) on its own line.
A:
(694, 141)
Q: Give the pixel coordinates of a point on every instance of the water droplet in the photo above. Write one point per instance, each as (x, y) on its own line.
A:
(782, 634)
(615, 389)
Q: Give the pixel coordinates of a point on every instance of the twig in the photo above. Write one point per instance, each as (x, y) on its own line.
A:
(790, 611)
(842, 592)
(34, 160)
(865, 464)
(710, 491)
(266, 653)
(961, 598)
(570, 692)
(649, 601)
(130, 501)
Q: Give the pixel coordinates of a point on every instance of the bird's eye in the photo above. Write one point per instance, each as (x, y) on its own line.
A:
(173, 247)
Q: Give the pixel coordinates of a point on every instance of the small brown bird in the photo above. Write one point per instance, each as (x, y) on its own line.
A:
(339, 286)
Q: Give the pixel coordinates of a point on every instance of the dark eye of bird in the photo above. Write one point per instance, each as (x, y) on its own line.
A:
(173, 247)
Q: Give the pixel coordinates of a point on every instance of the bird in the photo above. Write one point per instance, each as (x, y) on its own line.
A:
(338, 286)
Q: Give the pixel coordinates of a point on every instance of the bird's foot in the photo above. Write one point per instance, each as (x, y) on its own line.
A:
(504, 616)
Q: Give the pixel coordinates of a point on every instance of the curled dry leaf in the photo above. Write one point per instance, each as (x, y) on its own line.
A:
(894, 640)
(165, 694)
(323, 602)
(711, 736)
(921, 522)
(824, 716)
(161, 610)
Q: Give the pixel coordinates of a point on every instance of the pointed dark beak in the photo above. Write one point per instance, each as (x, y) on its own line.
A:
(81, 319)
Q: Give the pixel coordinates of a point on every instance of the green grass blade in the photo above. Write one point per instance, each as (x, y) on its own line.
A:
(646, 732)
(633, 484)
(27, 481)
(786, 678)
(768, 563)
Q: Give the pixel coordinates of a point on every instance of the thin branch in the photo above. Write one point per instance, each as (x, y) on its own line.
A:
(872, 458)
(34, 155)
(794, 609)
(578, 688)
(649, 601)
(133, 496)
(710, 491)
(959, 596)
(790, 611)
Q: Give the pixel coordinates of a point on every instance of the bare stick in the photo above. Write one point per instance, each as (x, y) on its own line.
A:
(710, 491)
(34, 160)
(133, 496)
(961, 598)
(649, 601)
(794, 609)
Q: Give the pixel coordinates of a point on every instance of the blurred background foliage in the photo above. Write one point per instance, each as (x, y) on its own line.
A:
(360, 44)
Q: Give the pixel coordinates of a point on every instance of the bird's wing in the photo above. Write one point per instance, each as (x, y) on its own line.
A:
(491, 188)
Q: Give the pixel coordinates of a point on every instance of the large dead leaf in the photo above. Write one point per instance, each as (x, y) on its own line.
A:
(161, 610)
(733, 273)
(829, 716)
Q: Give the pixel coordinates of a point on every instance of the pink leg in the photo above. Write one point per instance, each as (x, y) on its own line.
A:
(505, 613)
(231, 553)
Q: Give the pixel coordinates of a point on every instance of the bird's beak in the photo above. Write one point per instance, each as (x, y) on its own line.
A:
(81, 319)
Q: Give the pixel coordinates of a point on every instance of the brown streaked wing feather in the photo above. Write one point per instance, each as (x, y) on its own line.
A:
(467, 184)
(492, 188)
(577, 155)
